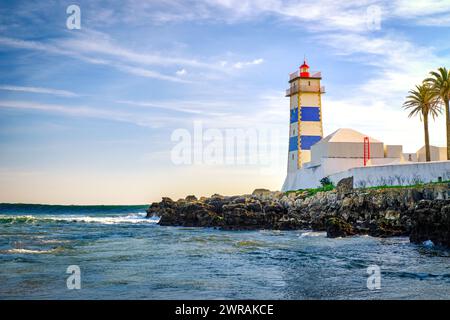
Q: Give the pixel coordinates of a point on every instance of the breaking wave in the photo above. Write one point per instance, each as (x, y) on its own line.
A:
(133, 218)
(30, 251)
(313, 234)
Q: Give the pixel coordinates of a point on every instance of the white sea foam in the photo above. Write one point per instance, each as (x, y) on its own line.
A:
(29, 251)
(428, 243)
(51, 241)
(133, 218)
(313, 234)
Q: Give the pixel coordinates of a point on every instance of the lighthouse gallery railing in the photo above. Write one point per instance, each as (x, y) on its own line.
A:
(304, 88)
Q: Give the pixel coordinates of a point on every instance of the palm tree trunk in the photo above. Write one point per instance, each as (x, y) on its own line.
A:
(447, 119)
(427, 138)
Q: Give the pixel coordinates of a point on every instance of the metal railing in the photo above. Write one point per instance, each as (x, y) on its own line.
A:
(312, 74)
(304, 88)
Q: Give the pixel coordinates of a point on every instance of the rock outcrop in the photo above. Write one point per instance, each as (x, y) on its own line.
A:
(431, 221)
(421, 212)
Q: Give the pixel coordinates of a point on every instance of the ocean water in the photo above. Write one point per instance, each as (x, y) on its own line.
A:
(122, 255)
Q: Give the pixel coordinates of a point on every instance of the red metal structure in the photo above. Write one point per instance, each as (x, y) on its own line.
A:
(366, 150)
(304, 70)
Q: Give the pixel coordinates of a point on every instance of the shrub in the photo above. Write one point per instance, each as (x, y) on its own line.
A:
(325, 182)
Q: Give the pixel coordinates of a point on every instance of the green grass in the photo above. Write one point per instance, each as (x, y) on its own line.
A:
(391, 187)
(313, 191)
(420, 184)
(329, 187)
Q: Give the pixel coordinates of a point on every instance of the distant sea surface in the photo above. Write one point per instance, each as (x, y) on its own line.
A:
(123, 255)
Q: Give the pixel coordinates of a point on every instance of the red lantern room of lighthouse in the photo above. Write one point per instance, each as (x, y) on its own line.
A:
(304, 70)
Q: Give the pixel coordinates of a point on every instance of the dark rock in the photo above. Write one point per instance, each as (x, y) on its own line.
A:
(421, 212)
(345, 185)
(191, 198)
(261, 193)
(337, 227)
(431, 221)
(384, 228)
(167, 200)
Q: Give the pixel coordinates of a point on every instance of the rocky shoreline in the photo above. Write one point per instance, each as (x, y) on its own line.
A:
(420, 212)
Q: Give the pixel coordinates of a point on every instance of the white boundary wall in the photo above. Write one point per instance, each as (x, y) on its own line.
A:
(395, 174)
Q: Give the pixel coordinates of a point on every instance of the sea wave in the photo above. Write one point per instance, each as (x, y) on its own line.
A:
(313, 234)
(29, 251)
(134, 218)
(53, 241)
(4, 219)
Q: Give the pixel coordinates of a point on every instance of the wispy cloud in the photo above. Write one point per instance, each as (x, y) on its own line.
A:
(192, 107)
(397, 62)
(56, 92)
(98, 48)
(419, 8)
(242, 64)
(95, 42)
(142, 72)
(59, 50)
(139, 119)
(421, 12)
(380, 119)
(324, 15)
(181, 72)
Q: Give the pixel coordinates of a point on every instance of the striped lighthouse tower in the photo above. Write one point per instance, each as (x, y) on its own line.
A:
(306, 129)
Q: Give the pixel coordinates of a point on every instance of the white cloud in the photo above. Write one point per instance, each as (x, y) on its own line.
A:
(91, 112)
(181, 72)
(386, 122)
(398, 63)
(323, 15)
(59, 49)
(50, 91)
(98, 48)
(185, 106)
(420, 8)
(148, 73)
(319, 15)
(94, 42)
(242, 64)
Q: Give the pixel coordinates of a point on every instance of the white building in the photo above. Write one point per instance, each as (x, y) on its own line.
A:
(338, 153)
(347, 152)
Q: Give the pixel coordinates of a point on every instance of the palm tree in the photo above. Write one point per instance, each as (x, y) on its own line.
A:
(423, 101)
(440, 81)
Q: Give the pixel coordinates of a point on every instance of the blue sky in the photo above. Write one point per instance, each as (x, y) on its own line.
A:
(86, 116)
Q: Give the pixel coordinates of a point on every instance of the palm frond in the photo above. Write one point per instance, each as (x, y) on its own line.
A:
(422, 101)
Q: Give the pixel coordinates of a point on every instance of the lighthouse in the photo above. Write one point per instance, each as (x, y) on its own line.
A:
(305, 127)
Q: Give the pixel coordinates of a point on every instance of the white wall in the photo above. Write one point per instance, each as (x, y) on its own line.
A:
(393, 151)
(370, 176)
(292, 161)
(334, 165)
(398, 174)
(348, 150)
(303, 179)
(311, 174)
(406, 156)
(436, 154)
(293, 101)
